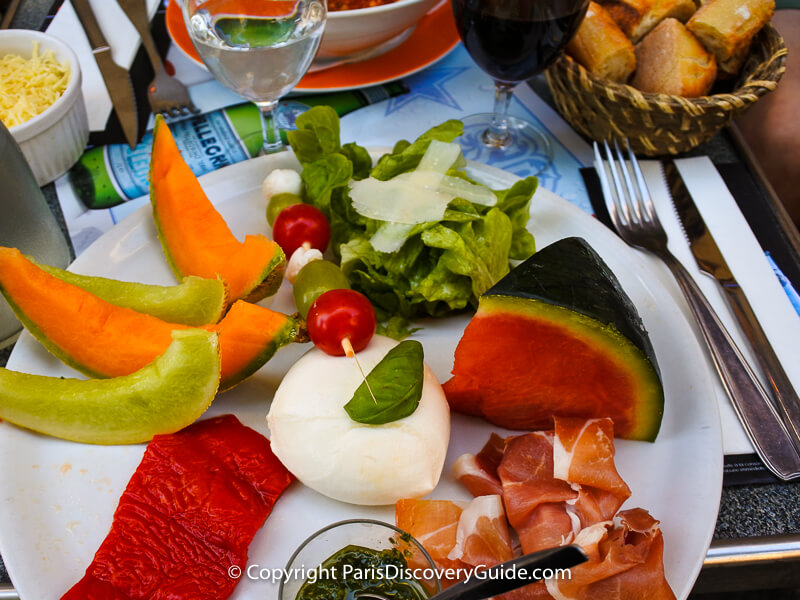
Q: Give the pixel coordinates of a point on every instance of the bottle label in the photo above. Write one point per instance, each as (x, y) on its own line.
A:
(206, 142)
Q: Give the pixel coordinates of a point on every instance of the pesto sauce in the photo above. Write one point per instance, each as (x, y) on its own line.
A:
(356, 569)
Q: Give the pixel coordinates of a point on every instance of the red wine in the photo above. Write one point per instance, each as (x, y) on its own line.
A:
(513, 40)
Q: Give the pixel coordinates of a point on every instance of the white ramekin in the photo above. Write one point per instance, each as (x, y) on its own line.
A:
(54, 140)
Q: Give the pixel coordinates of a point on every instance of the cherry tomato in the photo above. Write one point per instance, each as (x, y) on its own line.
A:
(298, 224)
(339, 314)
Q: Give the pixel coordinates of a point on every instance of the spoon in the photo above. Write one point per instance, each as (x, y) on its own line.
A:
(506, 576)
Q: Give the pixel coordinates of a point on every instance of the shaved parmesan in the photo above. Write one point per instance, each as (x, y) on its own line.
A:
(29, 86)
(409, 198)
(461, 188)
(439, 157)
(390, 237)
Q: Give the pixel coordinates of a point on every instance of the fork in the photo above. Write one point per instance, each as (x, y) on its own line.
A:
(166, 95)
(634, 217)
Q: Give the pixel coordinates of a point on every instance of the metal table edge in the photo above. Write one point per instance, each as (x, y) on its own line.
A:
(752, 551)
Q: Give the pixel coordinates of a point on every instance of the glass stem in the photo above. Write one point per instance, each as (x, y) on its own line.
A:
(270, 133)
(497, 135)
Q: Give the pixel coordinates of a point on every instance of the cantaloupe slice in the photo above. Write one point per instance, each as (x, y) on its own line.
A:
(162, 397)
(100, 339)
(196, 239)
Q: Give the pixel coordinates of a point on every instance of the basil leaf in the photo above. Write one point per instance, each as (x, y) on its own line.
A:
(396, 383)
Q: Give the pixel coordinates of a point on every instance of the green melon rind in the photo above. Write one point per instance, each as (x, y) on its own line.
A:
(195, 301)
(604, 338)
(287, 334)
(266, 284)
(33, 328)
(163, 397)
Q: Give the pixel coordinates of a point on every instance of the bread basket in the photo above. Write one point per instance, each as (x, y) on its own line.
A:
(659, 124)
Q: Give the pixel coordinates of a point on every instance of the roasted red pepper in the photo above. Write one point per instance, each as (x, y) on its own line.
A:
(187, 515)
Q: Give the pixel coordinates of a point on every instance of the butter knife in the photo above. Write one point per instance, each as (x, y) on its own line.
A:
(117, 79)
(710, 260)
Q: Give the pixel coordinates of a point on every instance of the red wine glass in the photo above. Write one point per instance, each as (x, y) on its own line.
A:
(511, 41)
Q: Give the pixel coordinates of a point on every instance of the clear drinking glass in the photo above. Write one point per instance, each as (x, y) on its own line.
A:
(511, 41)
(258, 48)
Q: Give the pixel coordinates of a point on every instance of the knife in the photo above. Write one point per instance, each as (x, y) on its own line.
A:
(710, 260)
(117, 79)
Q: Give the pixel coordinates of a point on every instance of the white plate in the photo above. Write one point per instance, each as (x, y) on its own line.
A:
(58, 497)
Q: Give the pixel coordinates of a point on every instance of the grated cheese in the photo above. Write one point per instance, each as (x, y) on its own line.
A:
(29, 86)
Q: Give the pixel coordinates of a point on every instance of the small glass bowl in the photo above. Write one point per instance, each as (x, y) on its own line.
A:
(368, 533)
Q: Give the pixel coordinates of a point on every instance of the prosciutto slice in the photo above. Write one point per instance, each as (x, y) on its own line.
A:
(553, 483)
(482, 536)
(562, 486)
(478, 472)
(583, 454)
(433, 523)
(625, 562)
(537, 504)
(476, 536)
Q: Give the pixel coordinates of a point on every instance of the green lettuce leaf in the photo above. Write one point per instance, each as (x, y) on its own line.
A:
(405, 157)
(317, 134)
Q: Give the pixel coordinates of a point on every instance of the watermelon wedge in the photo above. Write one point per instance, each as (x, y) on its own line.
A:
(558, 336)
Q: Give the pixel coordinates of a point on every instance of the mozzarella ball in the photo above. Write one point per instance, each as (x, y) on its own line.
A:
(282, 181)
(315, 438)
(299, 259)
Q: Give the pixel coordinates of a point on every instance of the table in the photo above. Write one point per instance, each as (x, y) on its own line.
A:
(757, 537)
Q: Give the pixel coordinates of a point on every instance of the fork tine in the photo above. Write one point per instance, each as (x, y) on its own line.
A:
(624, 199)
(633, 193)
(610, 197)
(646, 199)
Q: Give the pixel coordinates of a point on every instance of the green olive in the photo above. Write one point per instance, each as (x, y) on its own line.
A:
(278, 202)
(314, 279)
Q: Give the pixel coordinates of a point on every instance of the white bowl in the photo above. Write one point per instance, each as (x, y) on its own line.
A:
(54, 140)
(349, 33)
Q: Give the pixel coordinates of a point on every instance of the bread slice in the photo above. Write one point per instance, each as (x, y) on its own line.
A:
(726, 28)
(670, 60)
(638, 17)
(601, 46)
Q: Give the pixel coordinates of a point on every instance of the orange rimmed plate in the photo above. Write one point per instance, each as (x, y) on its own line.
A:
(433, 37)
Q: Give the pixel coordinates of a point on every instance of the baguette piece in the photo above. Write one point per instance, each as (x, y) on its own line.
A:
(670, 60)
(638, 17)
(726, 28)
(601, 46)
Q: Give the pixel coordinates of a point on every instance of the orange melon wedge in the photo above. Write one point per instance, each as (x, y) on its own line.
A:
(195, 238)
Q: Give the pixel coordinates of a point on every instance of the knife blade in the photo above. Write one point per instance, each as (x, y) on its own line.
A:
(710, 260)
(117, 79)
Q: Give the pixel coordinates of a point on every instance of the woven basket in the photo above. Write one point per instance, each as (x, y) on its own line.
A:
(659, 124)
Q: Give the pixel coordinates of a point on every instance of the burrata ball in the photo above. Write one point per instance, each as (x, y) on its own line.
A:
(315, 438)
